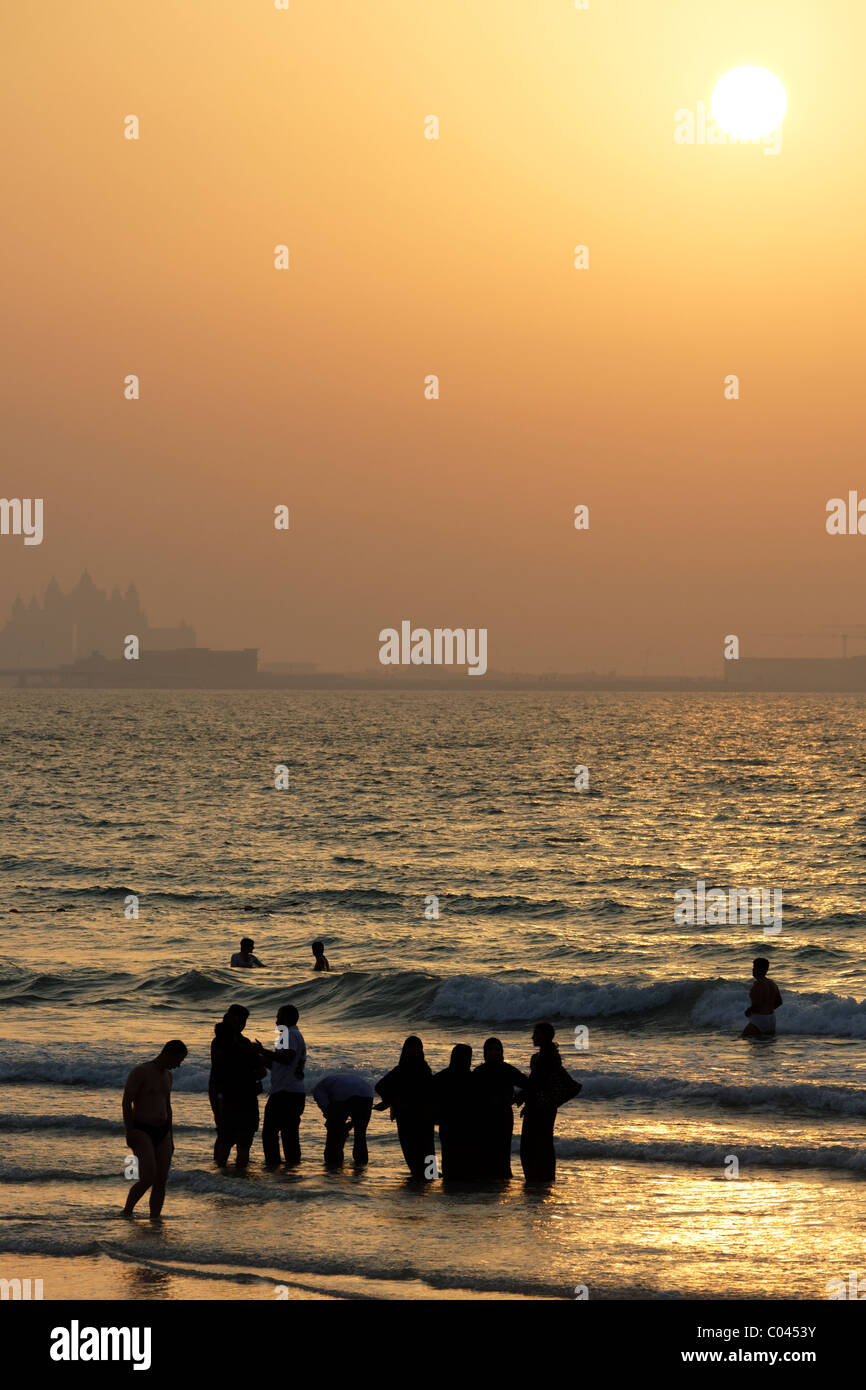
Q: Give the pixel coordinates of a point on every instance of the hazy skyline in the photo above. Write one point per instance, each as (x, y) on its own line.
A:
(78, 641)
(411, 257)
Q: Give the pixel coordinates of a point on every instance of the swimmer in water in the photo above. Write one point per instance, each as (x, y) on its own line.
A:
(319, 953)
(765, 998)
(244, 957)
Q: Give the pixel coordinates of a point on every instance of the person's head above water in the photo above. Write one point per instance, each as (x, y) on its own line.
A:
(494, 1051)
(461, 1057)
(543, 1034)
(287, 1015)
(172, 1054)
(760, 966)
(247, 945)
(318, 948)
(412, 1050)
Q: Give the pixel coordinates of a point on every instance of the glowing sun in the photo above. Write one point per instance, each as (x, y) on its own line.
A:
(749, 102)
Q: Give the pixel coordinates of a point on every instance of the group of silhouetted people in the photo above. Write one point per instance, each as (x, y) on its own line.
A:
(473, 1108)
(244, 959)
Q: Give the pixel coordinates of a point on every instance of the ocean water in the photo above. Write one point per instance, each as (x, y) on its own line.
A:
(553, 903)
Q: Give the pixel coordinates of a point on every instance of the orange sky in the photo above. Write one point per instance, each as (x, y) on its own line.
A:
(452, 257)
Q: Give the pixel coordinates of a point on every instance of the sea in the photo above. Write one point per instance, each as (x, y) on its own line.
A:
(464, 887)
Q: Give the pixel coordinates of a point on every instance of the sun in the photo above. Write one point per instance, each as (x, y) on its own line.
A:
(749, 102)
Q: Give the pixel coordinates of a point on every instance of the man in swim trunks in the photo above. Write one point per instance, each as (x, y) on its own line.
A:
(765, 998)
(147, 1117)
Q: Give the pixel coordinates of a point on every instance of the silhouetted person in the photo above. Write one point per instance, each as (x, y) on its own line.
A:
(244, 957)
(321, 960)
(408, 1091)
(453, 1111)
(285, 1104)
(549, 1087)
(234, 1087)
(346, 1101)
(765, 998)
(147, 1117)
(494, 1083)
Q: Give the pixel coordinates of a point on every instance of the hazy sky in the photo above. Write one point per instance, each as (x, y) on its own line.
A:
(412, 256)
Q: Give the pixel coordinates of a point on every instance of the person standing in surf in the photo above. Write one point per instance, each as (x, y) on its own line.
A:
(494, 1083)
(147, 1117)
(765, 998)
(453, 1111)
(287, 1098)
(408, 1090)
(234, 1087)
(550, 1086)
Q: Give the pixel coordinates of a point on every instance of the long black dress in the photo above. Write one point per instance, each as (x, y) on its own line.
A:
(494, 1085)
(408, 1090)
(453, 1111)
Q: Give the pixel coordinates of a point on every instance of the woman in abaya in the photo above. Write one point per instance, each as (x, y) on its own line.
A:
(453, 1112)
(494, 1083)
(408, 1090)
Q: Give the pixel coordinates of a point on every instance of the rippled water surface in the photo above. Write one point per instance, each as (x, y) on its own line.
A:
(552, 903)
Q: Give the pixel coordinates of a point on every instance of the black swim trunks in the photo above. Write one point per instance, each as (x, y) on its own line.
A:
(155, 1133)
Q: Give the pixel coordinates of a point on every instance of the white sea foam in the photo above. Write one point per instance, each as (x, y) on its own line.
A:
(711, 1004)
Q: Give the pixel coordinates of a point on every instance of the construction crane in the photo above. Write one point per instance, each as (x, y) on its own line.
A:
(846, 630)
(856, 631)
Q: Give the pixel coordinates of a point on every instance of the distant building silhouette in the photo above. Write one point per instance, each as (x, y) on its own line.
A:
(796, 673)
(193, 668)
(65, 627)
